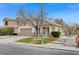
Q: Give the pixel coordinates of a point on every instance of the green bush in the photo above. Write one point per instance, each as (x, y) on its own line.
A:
(0, 31)
(6, 31)
(56, 34)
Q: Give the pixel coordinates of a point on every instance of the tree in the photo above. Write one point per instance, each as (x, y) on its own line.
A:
(77, 28)
(70, 29)
(59, 21)
(22, 15)
(33, 20)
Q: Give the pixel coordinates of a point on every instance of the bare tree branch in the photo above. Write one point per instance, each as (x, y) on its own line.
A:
(71, 29)
(31, 19)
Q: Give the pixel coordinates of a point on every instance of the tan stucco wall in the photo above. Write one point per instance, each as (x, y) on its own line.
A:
(55, 28)
(12, 24)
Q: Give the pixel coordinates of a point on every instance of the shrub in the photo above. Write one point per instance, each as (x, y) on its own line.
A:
(6, 31)
(56, 34)
(9, 31)
(0, 31)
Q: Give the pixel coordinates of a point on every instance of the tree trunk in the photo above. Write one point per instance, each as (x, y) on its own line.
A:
(36, 32)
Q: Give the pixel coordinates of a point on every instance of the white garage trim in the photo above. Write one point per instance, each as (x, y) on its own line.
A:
(26, 26)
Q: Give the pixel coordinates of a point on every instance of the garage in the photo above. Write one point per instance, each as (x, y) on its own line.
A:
(26, 32)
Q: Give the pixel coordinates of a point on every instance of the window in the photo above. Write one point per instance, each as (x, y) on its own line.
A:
(44, 30)
(43, 27)
(59, 30)
(6, 23)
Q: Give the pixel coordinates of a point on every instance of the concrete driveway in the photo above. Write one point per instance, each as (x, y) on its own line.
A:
(9, 39)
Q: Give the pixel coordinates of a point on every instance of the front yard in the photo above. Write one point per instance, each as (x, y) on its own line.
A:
(36, 41)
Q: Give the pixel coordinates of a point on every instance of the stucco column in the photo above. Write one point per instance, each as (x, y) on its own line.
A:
(46, 31)
(50, 30)
(41, 30)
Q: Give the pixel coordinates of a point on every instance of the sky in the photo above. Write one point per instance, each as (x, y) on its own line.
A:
(69, 12)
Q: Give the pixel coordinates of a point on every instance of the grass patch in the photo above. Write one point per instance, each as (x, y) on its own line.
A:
(36, 42)
(47, 40)
(30, 40)
(25, 40)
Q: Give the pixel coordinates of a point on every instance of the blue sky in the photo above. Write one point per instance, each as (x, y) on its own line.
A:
(67, 11)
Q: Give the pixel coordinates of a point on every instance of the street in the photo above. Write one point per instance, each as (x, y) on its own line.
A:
(8, 48)
(14, 49)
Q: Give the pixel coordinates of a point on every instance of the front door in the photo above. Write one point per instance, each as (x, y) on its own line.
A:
(46, 31)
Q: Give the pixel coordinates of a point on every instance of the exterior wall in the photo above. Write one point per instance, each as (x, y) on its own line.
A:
(11, 24)
(55, 28)
(61, 30)
(15, 30)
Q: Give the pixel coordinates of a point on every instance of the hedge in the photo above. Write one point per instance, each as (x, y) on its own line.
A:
(55, 34)
(6, 31)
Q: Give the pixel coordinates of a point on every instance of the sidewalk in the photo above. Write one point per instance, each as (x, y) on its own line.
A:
(3, 37)
(50, 46)
(61, 46)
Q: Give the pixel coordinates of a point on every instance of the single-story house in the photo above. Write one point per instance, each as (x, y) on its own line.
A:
(46, 28)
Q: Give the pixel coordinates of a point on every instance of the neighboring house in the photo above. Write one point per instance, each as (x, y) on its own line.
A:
(46, 28)
(11, 23)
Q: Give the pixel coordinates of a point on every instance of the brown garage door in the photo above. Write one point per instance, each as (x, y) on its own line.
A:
(26, 32)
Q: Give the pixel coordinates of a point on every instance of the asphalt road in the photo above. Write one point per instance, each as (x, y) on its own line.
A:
(15, 49)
